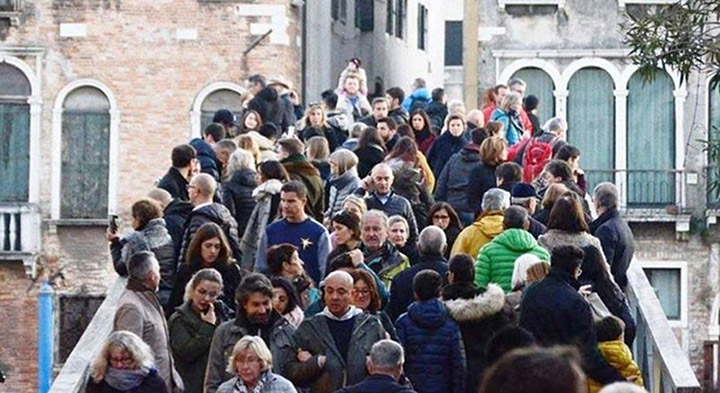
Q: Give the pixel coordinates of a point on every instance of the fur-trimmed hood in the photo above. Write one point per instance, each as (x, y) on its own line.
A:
(483, 306)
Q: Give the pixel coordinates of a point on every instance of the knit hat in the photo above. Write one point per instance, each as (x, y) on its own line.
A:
(523, 190)
(224, 116)
(349, 220)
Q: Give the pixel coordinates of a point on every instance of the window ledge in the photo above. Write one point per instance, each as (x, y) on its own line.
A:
(559, 3)
(78, 222)
(27, 258)
(623, 3)
(681, 218)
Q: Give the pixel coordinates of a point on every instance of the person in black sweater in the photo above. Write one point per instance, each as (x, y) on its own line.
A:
(482, 178)
(176, 179)
(370, 151)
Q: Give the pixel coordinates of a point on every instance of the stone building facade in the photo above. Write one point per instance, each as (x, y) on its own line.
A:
(107, 88)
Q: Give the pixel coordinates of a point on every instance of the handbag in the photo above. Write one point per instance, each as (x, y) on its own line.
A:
(598, 309)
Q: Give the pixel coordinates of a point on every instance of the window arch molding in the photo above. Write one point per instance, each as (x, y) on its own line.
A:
(196, 112)
(587, 62)
(517, 65)
(57, 143)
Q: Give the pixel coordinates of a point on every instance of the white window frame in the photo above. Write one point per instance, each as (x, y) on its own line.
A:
(559, 3)
(196, 112)
(677, 265)
(623, 3)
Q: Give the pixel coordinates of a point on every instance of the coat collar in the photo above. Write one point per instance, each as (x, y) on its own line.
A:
(482, 306)
(603, 218)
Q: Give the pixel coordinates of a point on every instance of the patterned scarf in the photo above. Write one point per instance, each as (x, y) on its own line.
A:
(125, 380)
(241, 388)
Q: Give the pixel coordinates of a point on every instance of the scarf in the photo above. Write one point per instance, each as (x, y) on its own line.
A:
(352, 312)
(125, 380)
(241, 388)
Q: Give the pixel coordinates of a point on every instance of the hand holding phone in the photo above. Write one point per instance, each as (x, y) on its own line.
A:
(113, 223)
(209, 315)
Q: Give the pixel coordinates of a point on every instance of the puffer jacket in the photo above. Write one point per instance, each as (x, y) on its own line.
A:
(618, 355)
(480, 315)
(219, 214)
(237, 196)
(267, 196)
(340, 187)
(452, 184)
(300, 169)
(209, 162)
(496, 260)
(481, 232)
(434, 351)
(175, 215)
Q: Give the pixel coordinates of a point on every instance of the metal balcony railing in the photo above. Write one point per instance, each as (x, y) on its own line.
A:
(20, 233)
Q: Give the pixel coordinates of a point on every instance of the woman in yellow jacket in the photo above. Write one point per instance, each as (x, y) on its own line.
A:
(611, 343)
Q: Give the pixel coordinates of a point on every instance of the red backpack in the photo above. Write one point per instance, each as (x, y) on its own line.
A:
(536, 156)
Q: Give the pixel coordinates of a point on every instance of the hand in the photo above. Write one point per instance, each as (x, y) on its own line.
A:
(585, 290)
(321, 361)
(632, 378)
(303, 356)
(367, 183)
(111, 236)
(579, 171)
(356, 256)
(209, 315)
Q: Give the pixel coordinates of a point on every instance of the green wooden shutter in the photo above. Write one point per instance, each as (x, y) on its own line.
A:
(14, 152)
(651, 141)
(540, 85)
(85, 164)
(714, 136)
(591, 122)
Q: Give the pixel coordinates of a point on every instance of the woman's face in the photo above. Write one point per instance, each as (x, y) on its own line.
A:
(441, 219)
(504, 154)
(210, 249)
(248, 366)
(294, 267)
(456, 127)
(121, 359)
(417, 122)
(315, 116)
(398, 234)
(361, 296)
(251, 121)
(352, 209)
(280, 300)
(343, 233)
(205, 294)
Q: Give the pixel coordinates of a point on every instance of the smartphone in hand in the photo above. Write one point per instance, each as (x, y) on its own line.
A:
(113, 223)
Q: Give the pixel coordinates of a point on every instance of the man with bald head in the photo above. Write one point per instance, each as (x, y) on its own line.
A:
(378, 193)
(331, 346)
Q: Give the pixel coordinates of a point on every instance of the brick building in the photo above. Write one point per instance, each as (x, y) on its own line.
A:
(93, 96)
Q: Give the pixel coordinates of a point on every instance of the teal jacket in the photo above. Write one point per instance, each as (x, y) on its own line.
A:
(496, 259)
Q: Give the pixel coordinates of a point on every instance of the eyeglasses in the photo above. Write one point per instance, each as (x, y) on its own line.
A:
(363, 292)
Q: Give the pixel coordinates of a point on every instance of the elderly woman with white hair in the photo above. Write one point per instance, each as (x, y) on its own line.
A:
(251, 363)
(237, 192)
(125, 364)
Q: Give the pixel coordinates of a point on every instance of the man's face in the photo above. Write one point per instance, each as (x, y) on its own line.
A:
(351, 86)
(385, 132)
(258, 308)
(193, 193)
(518, 88)
(382, 180)
(153, 280)
(373, 233)
(254, 88)
(393, 102)
(502, 92)
(380, 110)
(291, 205)
(338, 295)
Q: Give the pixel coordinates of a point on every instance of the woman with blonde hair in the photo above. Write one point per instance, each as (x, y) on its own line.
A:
(314, 123)
(508, 113)
(317, 152)
(246, 142)
(251, 364)
(343, 180)
(125, 364)
(552, 194)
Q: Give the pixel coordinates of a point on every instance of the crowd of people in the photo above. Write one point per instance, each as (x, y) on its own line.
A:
(395, 243)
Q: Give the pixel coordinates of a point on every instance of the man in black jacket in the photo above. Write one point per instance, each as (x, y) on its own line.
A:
(615, 235)
(176, 179)
(395, 97)
(556, 314)
(385, 365)
(267, 103)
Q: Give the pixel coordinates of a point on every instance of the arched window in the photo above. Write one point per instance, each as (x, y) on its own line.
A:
(714, 137)
(540, 85)
(591, 122)
(220, 99)
(651, 141)
(85, 154)
(14, 134)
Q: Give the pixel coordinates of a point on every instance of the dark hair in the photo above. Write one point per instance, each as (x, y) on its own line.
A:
(454, 218)
(462, 267)
(295, 186)
(405, 149)
(505, 340)
(369, 136)
(207, 231)
(396, 93)
(425, 117)
(182, 155)
(509, 172)
(252, 283)
(389, 121)
(245, 115)
(367, 278)
(405, 130)
(566, 258)
(269, 130)
(145, 210)
(427, 284)
(515, 217)
(478, 135)
(330, 98)
(559, 168)
(284, 283)
(567, 152)
(257, 79)
(437, 94)
(215, 130)
(567, 215)
(609, 328)
(543, 370)
(291, 145)
(277, 255)
(273, 170)
(342, 261)
(351, 221)
(530, 102)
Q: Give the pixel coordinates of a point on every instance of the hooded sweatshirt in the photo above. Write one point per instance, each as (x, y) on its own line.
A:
(496, 260)
(481, 232)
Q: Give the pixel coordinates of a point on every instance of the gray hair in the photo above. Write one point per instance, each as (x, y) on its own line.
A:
(432, 240)
(556, 125)
(511, 100)
(240, 159)
(376, 214)
(128, 341)
(357, 129)
(395, 219)
(226, 144)
(456, 106)
(207, 274)
(345, 160)
(141, 264)
(515, 217)
(622, 387)
(205, 184)
(254, 344)
(520, 268)
(387, 355)
(606, 195)
(516, 82)
(495, 199)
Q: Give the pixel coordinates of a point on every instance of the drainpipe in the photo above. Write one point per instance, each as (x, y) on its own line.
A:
(45, 337)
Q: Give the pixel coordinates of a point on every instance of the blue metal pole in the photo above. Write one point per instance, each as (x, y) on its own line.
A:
(45, 337)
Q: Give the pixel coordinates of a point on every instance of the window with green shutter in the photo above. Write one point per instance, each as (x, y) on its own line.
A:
(540, 85)
(591, 122)
(14, 134)
(714, 136)
(220, 99)
(85, 154)
(651, 141)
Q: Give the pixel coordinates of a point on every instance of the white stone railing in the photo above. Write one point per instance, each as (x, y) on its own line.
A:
(20, 233)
